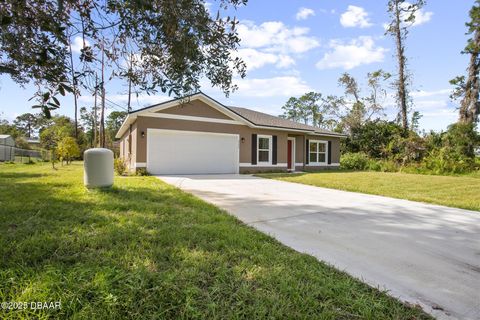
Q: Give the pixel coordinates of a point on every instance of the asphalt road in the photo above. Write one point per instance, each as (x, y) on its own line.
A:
(421, 253)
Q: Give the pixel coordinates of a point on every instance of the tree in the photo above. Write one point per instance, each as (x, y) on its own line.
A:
(415, 122)
(114, 122)
(468, 88)
(354, 109)
(178, 44)
(10, 129)
(60, 128)
(292, 110)
(87, 119)
(309, 108)
(26, 123)
(402, 14)
(67, 149)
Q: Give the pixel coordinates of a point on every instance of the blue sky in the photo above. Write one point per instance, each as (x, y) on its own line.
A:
(292, 47)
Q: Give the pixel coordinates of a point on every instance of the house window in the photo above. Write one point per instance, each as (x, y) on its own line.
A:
(317, 152)
(264, 144)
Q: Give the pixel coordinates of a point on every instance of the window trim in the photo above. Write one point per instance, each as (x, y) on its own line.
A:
(270, 138)
(317, 142)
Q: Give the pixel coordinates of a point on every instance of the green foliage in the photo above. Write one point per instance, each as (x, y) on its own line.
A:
(462, 138)
(59, 128)
(120, 166)
(354, 161)
(68, 149)
(21, 143)
(311, 108)
(374, 138)
(10, 129)
(114, 122)
(445, 161)
(142, 172)
(180, 42)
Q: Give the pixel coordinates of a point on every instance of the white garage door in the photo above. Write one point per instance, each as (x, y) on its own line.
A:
(189, 152)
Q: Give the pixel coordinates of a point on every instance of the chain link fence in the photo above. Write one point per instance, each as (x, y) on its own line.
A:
(14, 154)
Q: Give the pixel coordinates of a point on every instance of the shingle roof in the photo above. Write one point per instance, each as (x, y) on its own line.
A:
(255, 117)
(264, 119)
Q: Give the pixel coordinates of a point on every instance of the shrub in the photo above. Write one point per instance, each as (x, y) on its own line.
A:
(354, 161)
(374, 165)
(446, 160)
(141, 172)
(120, 166)
(389, 166)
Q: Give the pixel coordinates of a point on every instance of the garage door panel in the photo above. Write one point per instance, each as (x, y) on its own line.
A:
(186, 152)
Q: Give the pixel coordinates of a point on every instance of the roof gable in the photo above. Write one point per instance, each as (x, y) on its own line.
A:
(195, 108)
(184, 108)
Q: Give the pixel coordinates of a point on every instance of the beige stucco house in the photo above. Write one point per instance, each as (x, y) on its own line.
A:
(198, 135)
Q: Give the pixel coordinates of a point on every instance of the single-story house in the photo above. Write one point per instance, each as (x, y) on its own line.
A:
(199, 135)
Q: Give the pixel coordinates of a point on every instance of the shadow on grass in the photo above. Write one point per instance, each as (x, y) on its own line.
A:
(146, 250)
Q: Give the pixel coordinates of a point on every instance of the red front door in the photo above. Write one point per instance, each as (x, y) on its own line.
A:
(289, 155)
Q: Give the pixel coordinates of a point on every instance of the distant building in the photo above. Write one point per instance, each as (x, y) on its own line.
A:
(33, 141)
(7, 148)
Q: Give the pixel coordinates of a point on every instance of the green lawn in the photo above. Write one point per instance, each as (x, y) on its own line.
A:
(145, 250)
(453, 191)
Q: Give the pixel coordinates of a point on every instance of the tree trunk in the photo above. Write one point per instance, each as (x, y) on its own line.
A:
(95, 125)
(401, 85)
(102, 113)
(469, 106)
(74, 85)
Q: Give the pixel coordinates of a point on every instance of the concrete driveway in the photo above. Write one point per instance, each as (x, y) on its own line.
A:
(424, 254)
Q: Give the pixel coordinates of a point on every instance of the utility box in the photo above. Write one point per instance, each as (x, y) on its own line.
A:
(98, 168)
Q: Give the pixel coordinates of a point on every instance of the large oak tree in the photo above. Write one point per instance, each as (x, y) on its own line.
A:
(176, 44)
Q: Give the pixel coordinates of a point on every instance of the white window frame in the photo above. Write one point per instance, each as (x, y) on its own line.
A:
(318, 152)
(269, 149)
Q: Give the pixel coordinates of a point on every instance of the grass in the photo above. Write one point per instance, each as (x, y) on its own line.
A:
(454, 191)
(146, 250)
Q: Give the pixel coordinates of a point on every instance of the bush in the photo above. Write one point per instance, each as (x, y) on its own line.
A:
(120, 166)
(446, 160)
(354, 161)
(141, 172)
(374, 165)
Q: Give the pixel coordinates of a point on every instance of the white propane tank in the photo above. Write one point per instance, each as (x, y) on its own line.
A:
(98, 168)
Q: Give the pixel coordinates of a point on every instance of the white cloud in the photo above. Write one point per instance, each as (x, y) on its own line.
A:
(359, 51)
(421, 16)
(272, 43)
(284, 86)
(355, 17)
(256, 59)
(77, 44)
(423, 93)
(304, 13)
(274, 36)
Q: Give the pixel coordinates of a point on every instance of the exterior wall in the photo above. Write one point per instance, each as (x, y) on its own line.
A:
(245, 132)
(195, 108)
(129, 158)
(301, 151)
(138, 158)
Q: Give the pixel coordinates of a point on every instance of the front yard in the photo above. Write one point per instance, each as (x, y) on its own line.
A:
(453, 191)
(147, 250)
